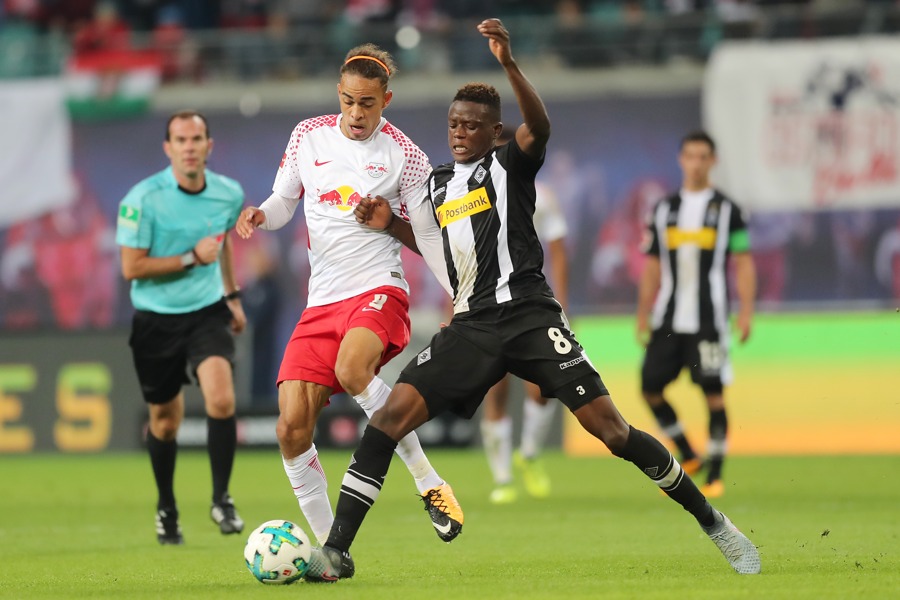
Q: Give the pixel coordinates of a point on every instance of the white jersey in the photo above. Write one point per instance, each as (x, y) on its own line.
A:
(549, 222)
(331, 174)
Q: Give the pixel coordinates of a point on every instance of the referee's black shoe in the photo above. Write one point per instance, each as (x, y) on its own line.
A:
(225, 515)
(168, 532)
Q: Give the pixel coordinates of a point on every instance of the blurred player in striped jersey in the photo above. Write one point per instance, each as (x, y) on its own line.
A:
(682, 315)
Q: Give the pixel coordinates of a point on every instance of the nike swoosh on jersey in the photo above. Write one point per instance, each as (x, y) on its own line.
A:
(445, 529)
(319, 164)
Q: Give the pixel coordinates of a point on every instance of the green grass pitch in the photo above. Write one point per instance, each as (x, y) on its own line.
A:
(827, 527)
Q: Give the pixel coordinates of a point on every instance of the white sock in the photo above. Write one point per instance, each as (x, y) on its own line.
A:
(536, 420)
(408, 449)
(496, 436)
(311, 488)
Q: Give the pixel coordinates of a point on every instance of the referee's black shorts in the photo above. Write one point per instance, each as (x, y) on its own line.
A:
(528, 337)
(168, 348)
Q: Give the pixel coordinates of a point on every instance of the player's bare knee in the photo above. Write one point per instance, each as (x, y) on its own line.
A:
(294, 438)
(601, 419)
(353, 377)
(616, 436)
(653, 398)
(395, 423)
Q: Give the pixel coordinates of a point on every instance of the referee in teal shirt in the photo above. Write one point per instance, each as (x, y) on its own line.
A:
(176, 252)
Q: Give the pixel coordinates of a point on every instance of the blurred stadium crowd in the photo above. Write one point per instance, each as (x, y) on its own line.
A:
(250, 39)
(60, 270)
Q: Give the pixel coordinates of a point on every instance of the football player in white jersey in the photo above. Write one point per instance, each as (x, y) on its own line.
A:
(357, 312)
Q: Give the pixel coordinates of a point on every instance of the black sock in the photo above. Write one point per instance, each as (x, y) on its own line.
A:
(718, 434)
(668, 422)
(221, 441)
(658, 464)
(361, 486)
(162, 459)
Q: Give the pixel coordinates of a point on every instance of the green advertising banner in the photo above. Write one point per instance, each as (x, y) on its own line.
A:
(825, 383)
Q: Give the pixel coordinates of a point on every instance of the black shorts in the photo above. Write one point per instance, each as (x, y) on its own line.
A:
(167, 348)
(705, 354)
(528, 337)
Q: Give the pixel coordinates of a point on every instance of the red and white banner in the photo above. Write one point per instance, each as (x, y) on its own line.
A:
(806, 125)
(35, 149)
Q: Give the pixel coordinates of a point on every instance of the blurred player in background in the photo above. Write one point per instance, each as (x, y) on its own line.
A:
(356, 317)
(475, 230)
(173, 232)
(537, 411)
(682, 314)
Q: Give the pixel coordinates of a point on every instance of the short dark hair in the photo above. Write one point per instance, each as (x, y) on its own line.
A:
(699, 136)
(187, 114)
(480, 93)
(373, 63)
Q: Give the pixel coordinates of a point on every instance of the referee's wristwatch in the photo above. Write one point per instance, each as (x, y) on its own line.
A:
(188, 260)
(233, 295)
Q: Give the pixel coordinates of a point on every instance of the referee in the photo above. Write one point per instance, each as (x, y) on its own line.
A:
(682, 314)
(173, 231)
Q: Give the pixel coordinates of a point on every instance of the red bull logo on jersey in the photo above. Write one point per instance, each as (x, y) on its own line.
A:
(472, 203)
(376, 170)
(344, 198)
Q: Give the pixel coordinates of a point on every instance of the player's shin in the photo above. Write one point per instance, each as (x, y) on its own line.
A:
(409, 449)
(361, 486)
(536, 421)
(658, 464)
(311, 489)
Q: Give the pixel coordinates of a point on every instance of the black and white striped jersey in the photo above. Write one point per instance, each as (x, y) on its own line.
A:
(484, 211)
(693, 234)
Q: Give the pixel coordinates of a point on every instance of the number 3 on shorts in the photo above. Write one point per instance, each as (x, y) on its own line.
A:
(560, 343)
(379, 301)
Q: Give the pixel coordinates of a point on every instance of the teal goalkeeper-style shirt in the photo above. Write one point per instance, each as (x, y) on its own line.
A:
(158, 215)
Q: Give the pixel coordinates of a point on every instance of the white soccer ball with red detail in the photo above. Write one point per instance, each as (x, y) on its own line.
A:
(278, 552)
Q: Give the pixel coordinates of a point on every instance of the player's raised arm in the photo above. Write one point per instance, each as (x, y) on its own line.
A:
(532, 135)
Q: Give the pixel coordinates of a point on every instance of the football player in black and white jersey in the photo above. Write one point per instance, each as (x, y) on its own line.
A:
(474, 228)
(682, 314)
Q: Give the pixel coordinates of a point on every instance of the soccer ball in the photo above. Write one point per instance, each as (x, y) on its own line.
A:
(278, 552)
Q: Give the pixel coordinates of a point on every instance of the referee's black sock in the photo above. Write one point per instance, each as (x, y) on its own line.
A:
(361, 486)
(658, 464)
(221, 442)
(162, 459)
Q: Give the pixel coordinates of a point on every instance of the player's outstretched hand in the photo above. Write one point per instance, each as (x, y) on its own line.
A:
(373, 212)
(498, 39)
(251, 218)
